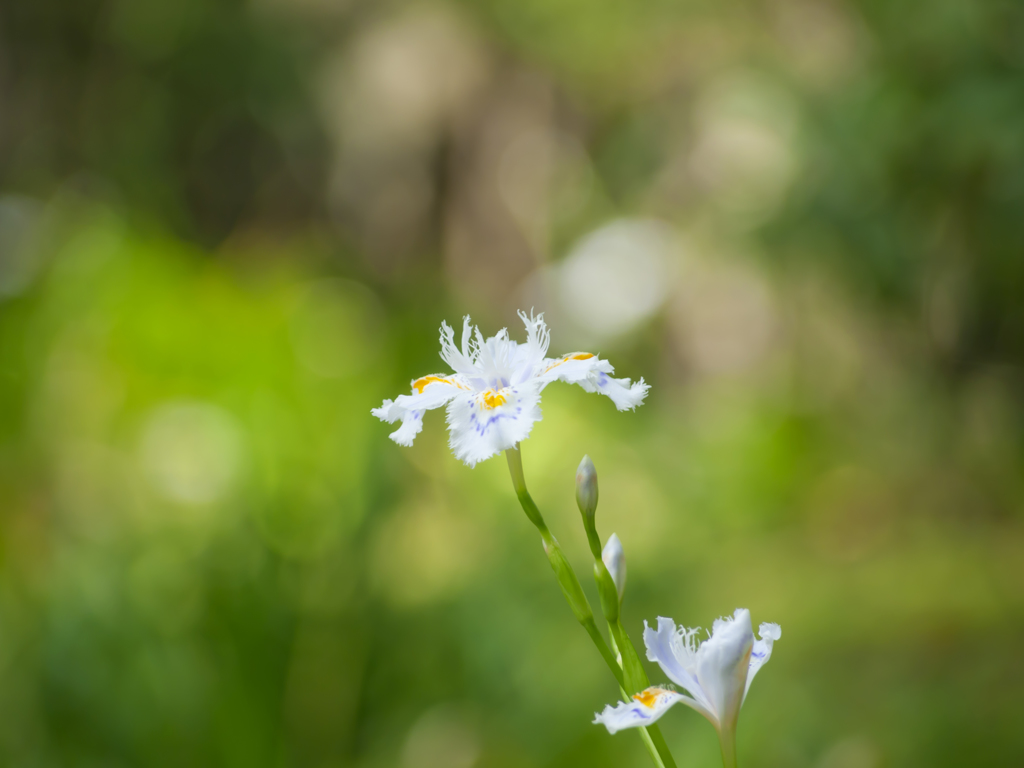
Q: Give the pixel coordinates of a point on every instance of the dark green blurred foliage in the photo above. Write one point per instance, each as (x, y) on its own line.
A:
(228, 229)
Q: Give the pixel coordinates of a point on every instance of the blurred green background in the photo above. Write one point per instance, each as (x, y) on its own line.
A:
(228, 229)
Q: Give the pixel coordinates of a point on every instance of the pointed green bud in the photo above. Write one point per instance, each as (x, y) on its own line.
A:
(615, 561)
(586, 499)
(586, 489)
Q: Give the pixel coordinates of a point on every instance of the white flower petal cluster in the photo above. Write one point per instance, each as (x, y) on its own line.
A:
(493, 394)
(716, 673)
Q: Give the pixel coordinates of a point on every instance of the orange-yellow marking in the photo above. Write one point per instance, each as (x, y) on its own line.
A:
(649, 696)
(567, 358)
(493, 398)
(420, 384)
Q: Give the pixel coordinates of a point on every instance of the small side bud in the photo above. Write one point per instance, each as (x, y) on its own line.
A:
(586, 489)
(615, 561)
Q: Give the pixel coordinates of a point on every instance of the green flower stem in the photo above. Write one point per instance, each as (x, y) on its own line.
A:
(560, 565)
(632, 668)
(593, 540)
(602, 646)
(515, 468)
(728, 741)
(654, 734)
(635, 678)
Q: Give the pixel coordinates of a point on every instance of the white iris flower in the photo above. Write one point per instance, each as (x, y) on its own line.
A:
(493, 396)
(716, 673)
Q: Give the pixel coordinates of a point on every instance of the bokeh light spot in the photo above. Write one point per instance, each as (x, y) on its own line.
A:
(441, 738)
(616, 277)
(192, 451)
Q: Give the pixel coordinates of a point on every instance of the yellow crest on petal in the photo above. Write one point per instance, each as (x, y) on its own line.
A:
(567, 358)
(649, 697)
(421, 383)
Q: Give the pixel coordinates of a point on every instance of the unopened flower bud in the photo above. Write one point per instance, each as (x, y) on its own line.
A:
(615, 561)
(586, 489)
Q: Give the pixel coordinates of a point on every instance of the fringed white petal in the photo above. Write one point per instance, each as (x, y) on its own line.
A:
(573, 368)
(460, 360)
(644, 709)
(594, 375)
(762, 650)
(483, 424)
(412, 425)
(530, 356)
(675, 652)
(722, 663)
(429, 392)
(496, 359)
(626, 394)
